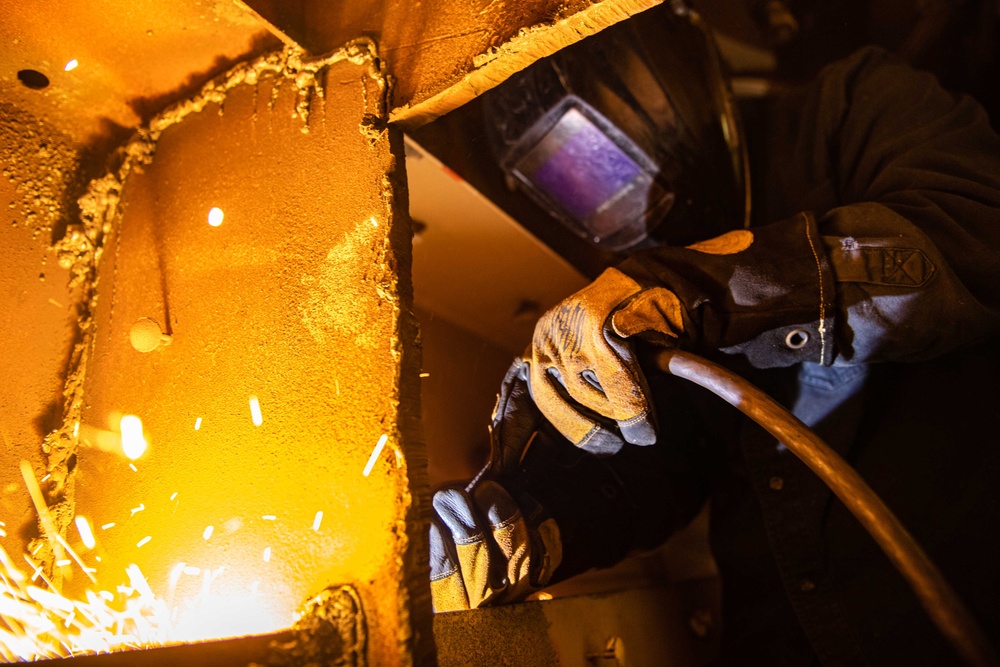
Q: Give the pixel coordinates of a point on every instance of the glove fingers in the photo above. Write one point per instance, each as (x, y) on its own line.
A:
(447, 588)
(510, 534)
(455, 509)
(579, 429)
(627, 391)
(515, 420)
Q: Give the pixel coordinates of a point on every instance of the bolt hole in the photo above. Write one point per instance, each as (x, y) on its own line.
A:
(33, 79)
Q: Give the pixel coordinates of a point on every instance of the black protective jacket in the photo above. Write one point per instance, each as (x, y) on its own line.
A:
(871, 307)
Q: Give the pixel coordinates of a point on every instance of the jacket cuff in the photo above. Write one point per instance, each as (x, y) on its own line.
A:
(772, 302)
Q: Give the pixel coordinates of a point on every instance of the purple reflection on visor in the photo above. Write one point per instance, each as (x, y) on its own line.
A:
(586, 170)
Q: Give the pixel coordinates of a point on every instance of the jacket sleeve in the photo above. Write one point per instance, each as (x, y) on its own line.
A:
(896, 255)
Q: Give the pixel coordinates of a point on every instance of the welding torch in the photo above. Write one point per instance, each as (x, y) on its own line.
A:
(936, 596)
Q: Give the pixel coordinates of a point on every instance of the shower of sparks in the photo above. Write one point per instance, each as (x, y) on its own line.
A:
(86, 533)
(143, 541)
(108, 525)
(71, 65)
(133, 443)
(375, 454)
(255, 413)
(269, 517)
(215, 216)
(267, 554)
(39, 622)
(197, 424)
(173, 496)
(140, 508)
(317, 520)
(208, 532)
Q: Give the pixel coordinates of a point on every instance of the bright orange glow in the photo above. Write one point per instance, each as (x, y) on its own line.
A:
(255, 413)
(133, 442)
(215, 216)
(40, 622)
(86, 533)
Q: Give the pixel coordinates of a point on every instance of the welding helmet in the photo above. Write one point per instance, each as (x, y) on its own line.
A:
(628, 137)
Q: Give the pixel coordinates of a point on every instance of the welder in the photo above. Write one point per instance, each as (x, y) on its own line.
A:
(863, 292)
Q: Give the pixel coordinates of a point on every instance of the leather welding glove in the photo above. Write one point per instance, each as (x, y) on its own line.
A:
(487, 548)
(582, 367)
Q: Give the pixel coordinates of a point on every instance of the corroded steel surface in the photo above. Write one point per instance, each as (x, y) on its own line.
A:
(300, 298)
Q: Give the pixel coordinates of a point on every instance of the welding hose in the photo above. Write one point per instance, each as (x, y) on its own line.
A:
(930, 587)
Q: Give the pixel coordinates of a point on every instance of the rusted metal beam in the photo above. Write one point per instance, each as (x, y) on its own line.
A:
(443, 53)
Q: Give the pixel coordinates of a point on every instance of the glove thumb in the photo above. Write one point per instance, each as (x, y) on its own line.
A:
(654, 309)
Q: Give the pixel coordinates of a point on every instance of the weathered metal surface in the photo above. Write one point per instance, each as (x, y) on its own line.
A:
(443, 53)
(300, 298)
(37, 311)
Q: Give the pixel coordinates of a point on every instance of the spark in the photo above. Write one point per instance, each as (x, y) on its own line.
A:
(71, 552)
(373, 221)
(56, 303)
(258, 418)
(132, 466)
(337, 385)
(173, 496)
(215, 216)
(108, 525)
(44, 518)
(267, 554)
(3, 533)
(140, 508)
(86, 533)
(269, 517)
(133, 443)
(143, 541)
(208, 532)
(71, 65)
(318, 520)
(45, 479)
(197, 424)
(425, 375)
(76, 430)
(374, 457)
(64, 562)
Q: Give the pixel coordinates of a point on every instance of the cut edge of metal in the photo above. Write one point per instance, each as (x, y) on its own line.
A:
(531, 44)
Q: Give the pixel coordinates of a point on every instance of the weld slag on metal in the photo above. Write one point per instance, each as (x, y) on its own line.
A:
(82, 246)
(331, 631)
